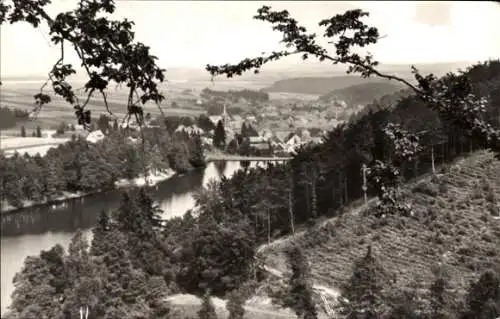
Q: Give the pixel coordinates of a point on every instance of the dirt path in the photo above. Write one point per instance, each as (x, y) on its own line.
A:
(220, 304)
(329, 291)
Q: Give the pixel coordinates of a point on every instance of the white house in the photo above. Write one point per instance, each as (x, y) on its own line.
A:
(252, 119)
(266, 134)
(95, 136)
(180, 128)
(215, 119)
(256, 139)
(293, 140)
(193, 129)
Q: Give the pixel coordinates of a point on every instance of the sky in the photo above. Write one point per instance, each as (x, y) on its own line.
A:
(192, 34)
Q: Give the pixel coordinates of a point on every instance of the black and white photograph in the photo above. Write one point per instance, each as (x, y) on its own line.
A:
(249, 159)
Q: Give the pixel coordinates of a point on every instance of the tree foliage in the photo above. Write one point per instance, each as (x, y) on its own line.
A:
(365, 289)
(79, 165)
(106, 49)
(300, 296)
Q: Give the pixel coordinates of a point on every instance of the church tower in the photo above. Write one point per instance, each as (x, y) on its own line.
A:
(224, 115)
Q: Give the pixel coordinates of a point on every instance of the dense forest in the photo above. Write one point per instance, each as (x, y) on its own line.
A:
(319, 85)
(9, 117)
(82, 166)
(361, 94)
(236, 95)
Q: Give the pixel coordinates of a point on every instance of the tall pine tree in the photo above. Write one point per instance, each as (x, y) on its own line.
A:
(365, 289)
(220, 135)
(207, 310)
(300, 297)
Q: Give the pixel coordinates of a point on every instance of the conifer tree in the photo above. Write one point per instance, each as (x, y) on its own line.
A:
(440, 298)
(149, 209)
(483, 298)
(207, 310)
(219, 135)
(364, 290)
(300, 297)
(235, 305)
(197, 156)
(99, 232)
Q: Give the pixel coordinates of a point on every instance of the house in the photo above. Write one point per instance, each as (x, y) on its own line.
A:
(281, 135)
(193, 129)
(316, 140)
(129, 124)
(207, 141)
(95, 136)
(251, 119)
(132, 140)
(293, 139)
(266, 135)
(277, 143)
(305, 135)
(261, 146)
(256, 140)
(215, 119)
(237, 118)
(180, 128)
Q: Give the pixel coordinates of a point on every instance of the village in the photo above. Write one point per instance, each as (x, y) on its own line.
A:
(254, 122)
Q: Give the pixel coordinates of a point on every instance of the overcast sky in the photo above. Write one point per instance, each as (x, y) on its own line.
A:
(192, 34)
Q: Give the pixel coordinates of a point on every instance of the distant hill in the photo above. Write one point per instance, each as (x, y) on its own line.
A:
(319, 85)
(321, 79)
(362, 94)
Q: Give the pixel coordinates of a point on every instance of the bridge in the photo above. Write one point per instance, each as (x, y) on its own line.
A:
(228, 157)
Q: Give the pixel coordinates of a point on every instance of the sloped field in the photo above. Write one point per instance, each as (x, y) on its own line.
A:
(454, 224)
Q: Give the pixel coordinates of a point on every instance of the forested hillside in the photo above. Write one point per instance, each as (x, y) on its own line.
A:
(319, 85)
(453, 233)
(362, 94)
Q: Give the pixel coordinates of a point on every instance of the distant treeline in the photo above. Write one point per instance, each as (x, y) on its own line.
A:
(10, 117)
(235, 95)
(82, 166)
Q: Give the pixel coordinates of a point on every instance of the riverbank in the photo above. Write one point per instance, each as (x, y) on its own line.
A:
(140, 181)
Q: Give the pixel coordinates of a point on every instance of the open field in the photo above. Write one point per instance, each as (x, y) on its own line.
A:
(9, 143)
(455, 224)
(30, 145)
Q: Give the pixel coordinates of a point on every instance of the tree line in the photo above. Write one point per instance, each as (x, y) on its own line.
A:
(10, 117)
(235, 95)
(82, 166)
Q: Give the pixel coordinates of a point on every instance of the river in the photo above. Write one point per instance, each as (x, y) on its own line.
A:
(27, 232)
